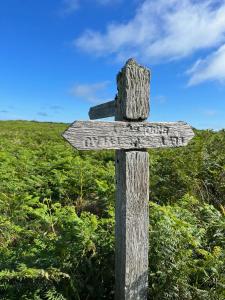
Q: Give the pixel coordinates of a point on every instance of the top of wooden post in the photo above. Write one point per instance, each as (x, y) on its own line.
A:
(133, 84)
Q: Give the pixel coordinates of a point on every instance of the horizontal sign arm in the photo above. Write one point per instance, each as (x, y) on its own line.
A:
(94, 135)
(104, 110)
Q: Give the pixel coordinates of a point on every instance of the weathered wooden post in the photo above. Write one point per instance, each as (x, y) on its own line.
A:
(132, 192)
(130, 135)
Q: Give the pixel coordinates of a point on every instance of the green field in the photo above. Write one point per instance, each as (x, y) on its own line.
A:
(57, 217)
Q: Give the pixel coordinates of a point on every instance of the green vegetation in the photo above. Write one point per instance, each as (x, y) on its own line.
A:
(57, 218)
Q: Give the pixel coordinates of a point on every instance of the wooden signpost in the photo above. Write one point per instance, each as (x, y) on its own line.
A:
(130, 136)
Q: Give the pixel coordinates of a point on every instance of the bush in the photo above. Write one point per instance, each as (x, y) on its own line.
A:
(57, 218)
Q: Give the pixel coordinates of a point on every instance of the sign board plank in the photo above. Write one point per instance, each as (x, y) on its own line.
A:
(104, 110)
(94, 135)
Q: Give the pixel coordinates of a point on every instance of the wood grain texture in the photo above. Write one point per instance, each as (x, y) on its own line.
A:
(94, 135)
(133, 83)
(132, 186)
(132, 219)
(104, 110)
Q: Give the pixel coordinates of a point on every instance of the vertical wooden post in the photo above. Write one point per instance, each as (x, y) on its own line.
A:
(132, 195)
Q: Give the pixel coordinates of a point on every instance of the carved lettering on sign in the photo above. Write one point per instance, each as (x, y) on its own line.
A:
(177, 141)
(88, 142)
(173, 141)
(157, 130)
(134, 142)
(134, 127)
(101, 141)
(94, 135)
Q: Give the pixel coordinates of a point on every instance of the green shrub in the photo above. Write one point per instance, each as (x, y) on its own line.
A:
(57, 218)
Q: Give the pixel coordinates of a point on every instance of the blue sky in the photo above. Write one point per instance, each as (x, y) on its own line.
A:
(59, 57)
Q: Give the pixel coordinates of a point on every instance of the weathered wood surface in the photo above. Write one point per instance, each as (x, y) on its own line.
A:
(132, 173)
(133, 84)
(132, 187)
(104, 110)
(94, 135)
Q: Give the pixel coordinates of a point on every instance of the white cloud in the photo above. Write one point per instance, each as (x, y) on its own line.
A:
(69, 6)
(161, 99)
(210, 112)
(160, 31)
(95, 92)
(42, 114)
(106, 2)
(212, 68)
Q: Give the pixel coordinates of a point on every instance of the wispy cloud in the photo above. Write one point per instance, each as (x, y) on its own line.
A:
(161, 31)
(56, 107)
(108, 2)
(95, 92)
(210, 112)
(69, 6)
(159, 99)
(42, 114)
(212, 68)
(4, 111)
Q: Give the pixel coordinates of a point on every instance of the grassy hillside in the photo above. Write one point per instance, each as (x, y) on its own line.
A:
(57, 217)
